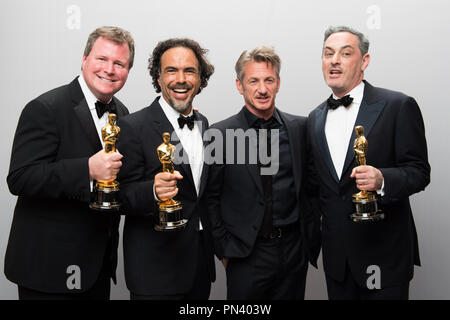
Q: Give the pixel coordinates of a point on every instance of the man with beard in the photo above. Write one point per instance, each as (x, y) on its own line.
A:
(168, 265)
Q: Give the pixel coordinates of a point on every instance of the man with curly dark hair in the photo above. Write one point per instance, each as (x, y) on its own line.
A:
(177, 264)
(154, 62)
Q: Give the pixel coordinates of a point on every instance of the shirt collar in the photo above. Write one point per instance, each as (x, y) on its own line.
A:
(170, 112)
(88, 95)
(356, 93)
(91, 99)
(251, 118)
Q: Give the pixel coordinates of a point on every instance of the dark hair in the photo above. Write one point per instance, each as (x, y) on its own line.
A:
(154, 62)
(115, 34)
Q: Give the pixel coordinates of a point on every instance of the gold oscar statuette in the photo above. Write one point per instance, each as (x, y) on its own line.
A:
(170, 215)
(366, 205)
(106, 191)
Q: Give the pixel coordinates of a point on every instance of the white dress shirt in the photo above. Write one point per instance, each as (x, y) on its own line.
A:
(339, 128)
(91, 100)
(191, 140)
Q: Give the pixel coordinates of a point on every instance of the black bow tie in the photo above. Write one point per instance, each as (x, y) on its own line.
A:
(334, 104)
(189, 121)
(101, 108)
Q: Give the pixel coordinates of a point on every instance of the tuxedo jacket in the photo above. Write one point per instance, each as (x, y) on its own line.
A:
(158, 262)
(236, 196)
(53, 230)
(394, 129)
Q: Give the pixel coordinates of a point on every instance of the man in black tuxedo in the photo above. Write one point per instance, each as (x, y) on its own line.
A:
(366, 260)
(177, 264)
(59, 248)
(263, 225)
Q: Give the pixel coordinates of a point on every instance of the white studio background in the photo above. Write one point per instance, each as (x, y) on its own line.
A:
(43, 43)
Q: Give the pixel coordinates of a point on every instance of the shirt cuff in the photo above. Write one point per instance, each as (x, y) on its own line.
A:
(154, 194)
(381, 191)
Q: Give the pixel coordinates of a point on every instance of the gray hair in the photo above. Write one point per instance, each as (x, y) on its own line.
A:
(115, 34)
(363, 42)
(259, 54)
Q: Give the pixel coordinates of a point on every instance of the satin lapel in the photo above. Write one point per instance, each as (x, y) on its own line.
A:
(120, 111)
(204, 176)
(321, 139)
(84, 115)
(367, 116)
(250, 146)
(295, 147)
(161, 125)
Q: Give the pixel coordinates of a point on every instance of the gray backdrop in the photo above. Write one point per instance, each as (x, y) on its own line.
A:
(43, 43)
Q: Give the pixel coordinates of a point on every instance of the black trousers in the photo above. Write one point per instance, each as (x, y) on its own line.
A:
(99, 291)
(348, 289)
(201, 288)
(275, 270)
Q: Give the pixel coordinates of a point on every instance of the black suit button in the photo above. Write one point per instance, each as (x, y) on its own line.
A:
(254, 228)
(344, 198)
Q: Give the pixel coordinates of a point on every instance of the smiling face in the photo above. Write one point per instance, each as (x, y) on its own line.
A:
(342, 64)
(259, 86)
(179, 78)
(105, 69)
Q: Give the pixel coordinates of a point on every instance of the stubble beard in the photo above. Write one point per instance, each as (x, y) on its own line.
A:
(181, 108)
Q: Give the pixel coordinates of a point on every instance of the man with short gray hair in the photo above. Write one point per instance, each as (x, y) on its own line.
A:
(263, 227)
(366, 260)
